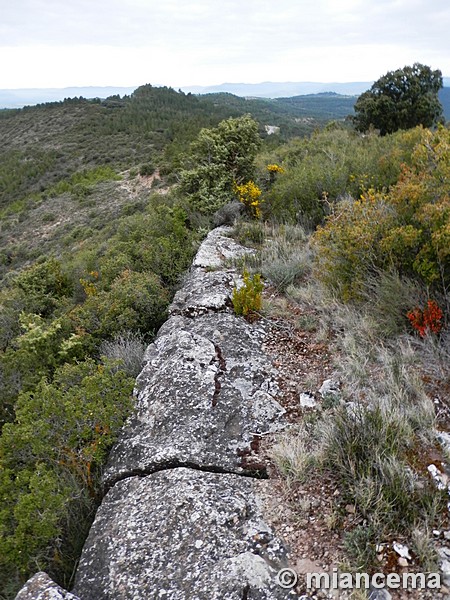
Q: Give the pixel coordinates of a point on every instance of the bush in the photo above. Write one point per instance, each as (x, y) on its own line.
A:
(43, 286)
(247, 299)
(250, 196)
(406, 228)
(134, 302)
(50, 460)
(219, 159)
(285, 261)
(127, 349)
(332, 165)
(146, 170)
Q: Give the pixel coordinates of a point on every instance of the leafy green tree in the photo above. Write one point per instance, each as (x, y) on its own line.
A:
(50, 461)
(220, 157)
(43, 285)
(401, 99)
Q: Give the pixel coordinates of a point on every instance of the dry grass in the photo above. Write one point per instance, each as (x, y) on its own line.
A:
(372, 442)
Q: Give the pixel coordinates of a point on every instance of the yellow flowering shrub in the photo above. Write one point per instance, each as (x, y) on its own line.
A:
(274, 168)
(248, 298)
(407, 228)
(348, 244)
(250, 195)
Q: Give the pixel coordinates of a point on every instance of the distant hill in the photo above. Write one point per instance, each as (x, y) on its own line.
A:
(32, 96)
(444, 97)
(266, 90)
(270, 89)
(44, 144)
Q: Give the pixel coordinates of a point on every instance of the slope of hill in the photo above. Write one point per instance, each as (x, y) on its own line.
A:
(92, 245)
(41, 145)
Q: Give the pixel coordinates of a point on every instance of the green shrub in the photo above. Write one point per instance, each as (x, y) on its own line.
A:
(249, 233)
(146, 170)
(219, 159)
(134, 302)
(285, 264)
(406, 228)
(332, 165)
(43, 286)
(50, 459)
(247, 299)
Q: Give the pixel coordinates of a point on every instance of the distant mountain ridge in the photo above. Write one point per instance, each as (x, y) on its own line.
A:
(287, 89)
(30, 96)
(17, 98)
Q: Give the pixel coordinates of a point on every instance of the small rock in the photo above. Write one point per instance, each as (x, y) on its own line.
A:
(401, 550)
(447, 535)
(351, 509)
(307, 401)
(437, 533)
(402, 562)
(41, 586)
(444, 553)
(440, 478)
(444, 439)
(329, 387)
(379, 594)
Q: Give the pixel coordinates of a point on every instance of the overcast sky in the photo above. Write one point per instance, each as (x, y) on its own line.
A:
(59, 43)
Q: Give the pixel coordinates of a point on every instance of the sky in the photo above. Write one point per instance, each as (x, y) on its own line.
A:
(62, 43)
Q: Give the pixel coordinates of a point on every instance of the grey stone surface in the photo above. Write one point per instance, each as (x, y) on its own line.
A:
(379, 594)
(330, 387)
(205, 291)
(227, 214)
(179, 520)
(41, 587)
(181, 534)
(218, 248)
(206, 389)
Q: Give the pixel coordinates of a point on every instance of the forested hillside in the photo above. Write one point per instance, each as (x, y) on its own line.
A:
(93, 240)
(102, 207)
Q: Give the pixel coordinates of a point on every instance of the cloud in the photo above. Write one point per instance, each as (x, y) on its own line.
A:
(211, 41)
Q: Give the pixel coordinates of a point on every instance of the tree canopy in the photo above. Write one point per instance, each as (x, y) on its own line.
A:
(401, 99)
(220, 158)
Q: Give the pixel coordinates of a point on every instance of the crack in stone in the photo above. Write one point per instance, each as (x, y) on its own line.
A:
(191, 312)
(256, 473)
(220, 371)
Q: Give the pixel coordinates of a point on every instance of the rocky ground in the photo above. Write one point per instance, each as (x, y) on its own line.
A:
(309, 516)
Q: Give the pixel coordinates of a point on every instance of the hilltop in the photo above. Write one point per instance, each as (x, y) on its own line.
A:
(103, 206)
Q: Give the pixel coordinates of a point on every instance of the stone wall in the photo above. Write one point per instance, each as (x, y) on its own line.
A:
(182, 517)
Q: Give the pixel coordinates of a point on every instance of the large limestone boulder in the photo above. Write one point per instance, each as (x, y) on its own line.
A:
(218, 248)
(41, 587)
(181, 534)
(206, 393)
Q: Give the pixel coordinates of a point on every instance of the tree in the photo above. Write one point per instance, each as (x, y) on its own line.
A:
(401, 99)
(220, 158)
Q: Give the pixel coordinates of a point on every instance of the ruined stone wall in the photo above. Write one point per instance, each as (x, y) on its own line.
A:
(181, 517)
